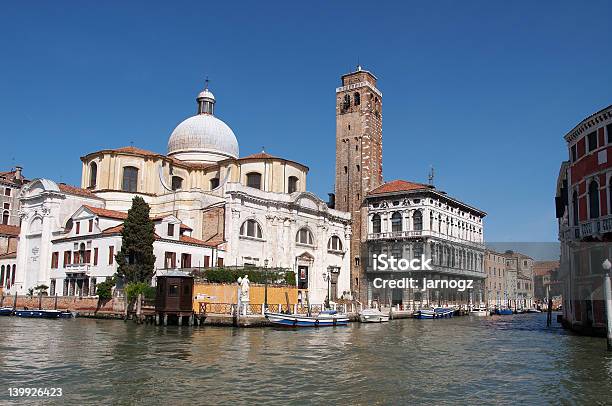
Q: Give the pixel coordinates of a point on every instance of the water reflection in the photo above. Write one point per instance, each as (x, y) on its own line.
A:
(463, 360)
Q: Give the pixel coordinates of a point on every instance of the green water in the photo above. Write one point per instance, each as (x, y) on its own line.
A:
(493, 360)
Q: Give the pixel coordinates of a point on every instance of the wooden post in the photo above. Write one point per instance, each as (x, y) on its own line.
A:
(15, 302)
(139, 308)
(549, 310)
(40, 300)
(55, 305)
(165, 319)
(287, 300)
(157, 319)
(2, 300)
(180, 319)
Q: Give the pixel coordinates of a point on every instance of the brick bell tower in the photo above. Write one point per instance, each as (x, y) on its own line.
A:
(358, 161)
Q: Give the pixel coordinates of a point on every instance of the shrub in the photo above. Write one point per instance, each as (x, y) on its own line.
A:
(133, 289)
(104, 290)
(256, 275)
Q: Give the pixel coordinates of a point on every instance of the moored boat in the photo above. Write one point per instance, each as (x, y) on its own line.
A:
(327, 318)
(6, 311)
(444, 312)
(534, 311)
(424, 314)
(479, 311)
(373, 316)
(38, 314)
(504, 312)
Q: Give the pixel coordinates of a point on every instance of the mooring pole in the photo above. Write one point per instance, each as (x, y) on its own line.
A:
(15, 302)
(607, 265)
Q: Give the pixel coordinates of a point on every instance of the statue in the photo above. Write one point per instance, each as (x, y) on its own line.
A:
(243, 292)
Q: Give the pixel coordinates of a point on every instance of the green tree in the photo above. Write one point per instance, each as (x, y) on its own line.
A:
(135, 260)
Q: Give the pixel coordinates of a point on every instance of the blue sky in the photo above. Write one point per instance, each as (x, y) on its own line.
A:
(483, 91)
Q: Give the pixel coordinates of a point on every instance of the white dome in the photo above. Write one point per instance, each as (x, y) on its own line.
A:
(203, 138)
(206, 94)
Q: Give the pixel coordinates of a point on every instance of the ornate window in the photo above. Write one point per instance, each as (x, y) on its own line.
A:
(417, 221)
(93, 174)
(396, 222)
(304, 236)
(254, 180)
(130, 179)
(376, 223)
(593, 199)
(251, 228)
(214, 183)
(177, 183)
(292, 184)
(334, 243)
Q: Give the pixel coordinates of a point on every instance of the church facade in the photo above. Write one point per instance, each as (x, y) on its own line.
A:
(234, 211)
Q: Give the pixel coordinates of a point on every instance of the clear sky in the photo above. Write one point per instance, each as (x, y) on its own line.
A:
(482, 90)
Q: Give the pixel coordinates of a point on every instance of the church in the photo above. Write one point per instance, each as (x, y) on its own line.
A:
(210, 207)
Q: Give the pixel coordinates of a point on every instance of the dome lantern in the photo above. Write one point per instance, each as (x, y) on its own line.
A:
(206, 101)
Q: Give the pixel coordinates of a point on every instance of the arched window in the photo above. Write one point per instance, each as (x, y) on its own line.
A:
(13, 277)
(376, 223)
(334, 243)
(304, 236)
(347, 101)
(93, 174)
(396, 222)
(251, 228)
(593, 199)
(214, 183)
(254, 180)
(5, 217)
(177, 183)
(292, 184)
(417, 221)
(357, 98)
(1, 275)
(130, 179)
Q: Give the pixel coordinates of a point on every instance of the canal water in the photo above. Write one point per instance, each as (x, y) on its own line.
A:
(465, 360)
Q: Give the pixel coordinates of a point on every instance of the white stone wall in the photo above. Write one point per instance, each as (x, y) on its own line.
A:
(280, 217)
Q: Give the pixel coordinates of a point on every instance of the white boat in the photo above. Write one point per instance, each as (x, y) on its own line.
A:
(373, 316)
(479, 311)
(534, 310)
(324, 319)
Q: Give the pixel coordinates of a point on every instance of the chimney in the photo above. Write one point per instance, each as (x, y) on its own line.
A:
(18, 175)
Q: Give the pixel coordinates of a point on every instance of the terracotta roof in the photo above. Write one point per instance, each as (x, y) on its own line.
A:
(185, 227)
(191, 240)
(544, 267)
(8, 255)
(73, 190)
(113, 230)
(9, 230)
(398, 186)
(260, 155)
(113, 214)
(137, 151)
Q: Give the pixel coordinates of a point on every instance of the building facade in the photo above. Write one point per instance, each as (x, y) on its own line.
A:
(358, 161)
(408, 220)
(496, 289)
(519, 280)
(11, 183)
(583, 206)
(254, 211)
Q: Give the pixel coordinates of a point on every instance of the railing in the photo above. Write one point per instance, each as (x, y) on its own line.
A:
(421, 233)
(259, 308)
(77, 268)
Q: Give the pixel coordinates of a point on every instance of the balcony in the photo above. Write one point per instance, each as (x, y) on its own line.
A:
(78, 268)
(394, 235)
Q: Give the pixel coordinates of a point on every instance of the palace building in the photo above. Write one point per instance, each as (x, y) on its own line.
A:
(225, 210)
(407, 220)
(583, 202)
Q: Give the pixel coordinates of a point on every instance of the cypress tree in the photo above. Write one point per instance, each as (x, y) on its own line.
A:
(135, 260)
